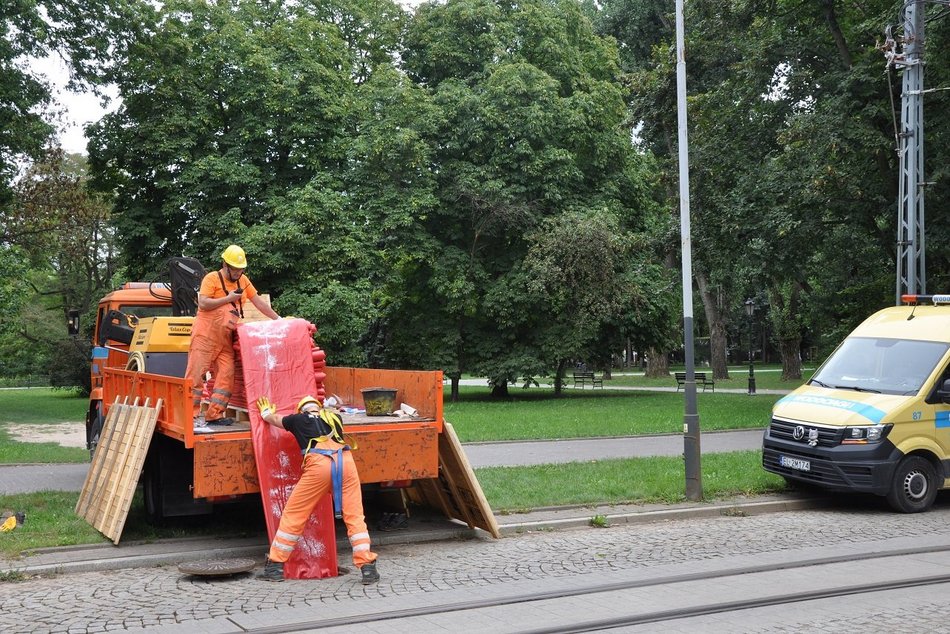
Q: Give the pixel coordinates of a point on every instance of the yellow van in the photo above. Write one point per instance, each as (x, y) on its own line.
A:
(875, 417)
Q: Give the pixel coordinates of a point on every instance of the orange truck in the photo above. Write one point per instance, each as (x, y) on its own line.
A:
(140, 352)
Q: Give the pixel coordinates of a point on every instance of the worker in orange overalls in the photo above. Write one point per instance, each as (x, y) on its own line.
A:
(220, 309)
(327, 464)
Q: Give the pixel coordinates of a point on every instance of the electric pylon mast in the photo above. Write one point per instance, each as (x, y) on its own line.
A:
(911, 262)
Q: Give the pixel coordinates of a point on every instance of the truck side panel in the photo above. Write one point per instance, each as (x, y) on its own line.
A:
(388, 448)
(225, 467)
(420, 389)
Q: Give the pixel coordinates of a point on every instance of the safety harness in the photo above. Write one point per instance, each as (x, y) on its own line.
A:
(238, 306)
(335, 424)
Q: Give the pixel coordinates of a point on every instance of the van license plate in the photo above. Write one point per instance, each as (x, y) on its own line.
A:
(795, 463)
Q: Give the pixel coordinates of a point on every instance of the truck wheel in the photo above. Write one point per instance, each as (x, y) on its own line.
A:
(95, 430)
(152, 494)
(914, 486)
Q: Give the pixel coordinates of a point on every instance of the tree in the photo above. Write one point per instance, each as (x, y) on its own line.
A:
(237, 125)
(83, 33)
(532, 138)
(59, 234)
(790, 135)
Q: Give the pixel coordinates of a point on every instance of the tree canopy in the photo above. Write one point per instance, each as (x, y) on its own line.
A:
(477, 185)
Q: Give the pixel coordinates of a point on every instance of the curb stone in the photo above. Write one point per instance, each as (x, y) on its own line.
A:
(103, 557)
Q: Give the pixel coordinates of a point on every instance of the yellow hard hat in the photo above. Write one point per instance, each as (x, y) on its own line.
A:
(304, 401)
(234, 256)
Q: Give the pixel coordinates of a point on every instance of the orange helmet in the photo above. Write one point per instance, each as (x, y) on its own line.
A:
(307, 399)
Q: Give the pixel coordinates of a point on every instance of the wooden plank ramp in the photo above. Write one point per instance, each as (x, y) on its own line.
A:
(456, 491)
(106, 495)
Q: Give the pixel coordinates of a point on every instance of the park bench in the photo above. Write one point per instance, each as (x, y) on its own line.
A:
(701, 379)
(585, 377)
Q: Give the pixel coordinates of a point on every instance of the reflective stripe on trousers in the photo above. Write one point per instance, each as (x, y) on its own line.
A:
(315, 482)
(211, 348)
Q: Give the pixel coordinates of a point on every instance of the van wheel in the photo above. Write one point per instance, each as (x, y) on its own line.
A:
(914, 486)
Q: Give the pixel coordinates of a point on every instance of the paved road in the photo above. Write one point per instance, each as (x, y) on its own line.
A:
(438, 576)
(70, 477)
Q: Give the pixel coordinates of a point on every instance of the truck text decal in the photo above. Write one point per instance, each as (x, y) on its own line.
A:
(869, 412)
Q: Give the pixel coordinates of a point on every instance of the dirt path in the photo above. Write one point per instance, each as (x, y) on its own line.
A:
(65, 434)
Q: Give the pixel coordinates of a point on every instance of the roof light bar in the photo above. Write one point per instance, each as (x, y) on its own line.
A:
(917, 300)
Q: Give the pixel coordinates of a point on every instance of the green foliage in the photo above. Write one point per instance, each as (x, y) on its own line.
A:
(226, 108)
(82, 33)
(62, 259)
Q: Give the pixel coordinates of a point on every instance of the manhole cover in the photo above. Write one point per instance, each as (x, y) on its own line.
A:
(216, 567)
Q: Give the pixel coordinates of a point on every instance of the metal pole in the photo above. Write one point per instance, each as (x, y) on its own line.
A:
(911, 263)
(751, 369)
(691, 445)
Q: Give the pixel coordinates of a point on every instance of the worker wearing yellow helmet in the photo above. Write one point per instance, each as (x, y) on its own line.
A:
(220, 310)
(328, 466)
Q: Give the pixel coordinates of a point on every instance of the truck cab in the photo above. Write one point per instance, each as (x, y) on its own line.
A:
(116, 318)
(875, 417)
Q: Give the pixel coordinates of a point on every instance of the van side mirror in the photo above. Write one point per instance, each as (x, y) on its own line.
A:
(943, 392)
(72, 322)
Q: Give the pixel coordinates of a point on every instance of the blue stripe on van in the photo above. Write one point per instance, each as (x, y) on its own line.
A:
(869, 412)
(943, 419)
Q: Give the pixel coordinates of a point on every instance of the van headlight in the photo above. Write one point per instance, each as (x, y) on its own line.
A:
(865, 434)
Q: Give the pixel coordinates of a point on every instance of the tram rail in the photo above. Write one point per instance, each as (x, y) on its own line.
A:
(657, 616)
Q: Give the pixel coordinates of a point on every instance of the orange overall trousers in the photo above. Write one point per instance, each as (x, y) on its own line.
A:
(315, 482)
(212, 348)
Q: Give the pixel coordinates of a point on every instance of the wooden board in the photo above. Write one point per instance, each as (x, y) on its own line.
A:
(456, 491)
(250, 310)
(106, 495)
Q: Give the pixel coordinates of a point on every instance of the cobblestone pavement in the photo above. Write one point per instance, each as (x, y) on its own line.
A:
(138, 598)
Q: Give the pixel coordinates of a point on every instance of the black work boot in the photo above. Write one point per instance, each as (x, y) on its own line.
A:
(370, 575)
(273, 571)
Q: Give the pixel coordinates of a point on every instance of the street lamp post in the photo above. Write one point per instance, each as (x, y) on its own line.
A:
(749, 310)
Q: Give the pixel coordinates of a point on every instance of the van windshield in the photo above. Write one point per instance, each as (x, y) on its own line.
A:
(885, 366)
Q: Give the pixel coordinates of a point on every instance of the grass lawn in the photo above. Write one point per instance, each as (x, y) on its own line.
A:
(13, 452)
(619, 481)
(529, 414)
(50, 520)
(40, 406)
(536, 414)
